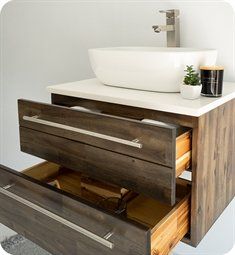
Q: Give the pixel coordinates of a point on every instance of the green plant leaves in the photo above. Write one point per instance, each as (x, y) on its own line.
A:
(192, 77)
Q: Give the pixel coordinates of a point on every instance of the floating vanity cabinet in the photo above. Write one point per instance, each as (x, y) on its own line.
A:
(143, 142)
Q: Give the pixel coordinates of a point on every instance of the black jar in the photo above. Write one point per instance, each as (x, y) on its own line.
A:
(212, 81)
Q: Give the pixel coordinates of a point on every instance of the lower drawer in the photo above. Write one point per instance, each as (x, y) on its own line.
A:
(62, 221)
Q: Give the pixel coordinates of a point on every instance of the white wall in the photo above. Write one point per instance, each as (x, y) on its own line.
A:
(46, 42)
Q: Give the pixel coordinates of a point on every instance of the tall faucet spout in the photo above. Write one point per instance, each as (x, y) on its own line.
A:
(171, 28)
(167, 28)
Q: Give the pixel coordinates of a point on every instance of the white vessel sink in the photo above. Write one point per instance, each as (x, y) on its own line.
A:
(147, 68)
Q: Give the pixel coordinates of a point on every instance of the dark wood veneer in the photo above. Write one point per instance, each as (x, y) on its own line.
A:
(129, 237)
(141, 176)
(151, 172)
(158, 142)
(166, 229)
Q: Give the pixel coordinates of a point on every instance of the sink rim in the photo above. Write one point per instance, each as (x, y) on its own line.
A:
(144, 49)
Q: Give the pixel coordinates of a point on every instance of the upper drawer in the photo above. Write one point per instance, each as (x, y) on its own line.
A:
(144, 140)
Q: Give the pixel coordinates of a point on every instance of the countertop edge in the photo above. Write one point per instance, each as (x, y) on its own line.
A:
(143, 104)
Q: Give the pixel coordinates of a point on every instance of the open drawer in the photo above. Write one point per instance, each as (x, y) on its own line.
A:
(142, 156)
(65, 223)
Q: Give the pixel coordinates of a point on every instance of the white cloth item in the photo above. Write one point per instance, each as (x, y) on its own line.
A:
(83, 109)
(158, 123)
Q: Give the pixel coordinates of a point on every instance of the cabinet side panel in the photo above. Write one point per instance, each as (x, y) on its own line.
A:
(214, 168)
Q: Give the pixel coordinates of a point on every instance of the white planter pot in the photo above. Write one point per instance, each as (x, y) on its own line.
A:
(190, 92)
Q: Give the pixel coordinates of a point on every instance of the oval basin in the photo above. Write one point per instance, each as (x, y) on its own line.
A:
(147, 68)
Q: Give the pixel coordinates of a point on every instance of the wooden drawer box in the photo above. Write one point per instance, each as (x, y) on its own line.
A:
(64, 223)
(142, 156)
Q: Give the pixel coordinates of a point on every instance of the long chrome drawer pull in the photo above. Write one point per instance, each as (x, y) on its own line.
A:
(53, 216)
(35, 119)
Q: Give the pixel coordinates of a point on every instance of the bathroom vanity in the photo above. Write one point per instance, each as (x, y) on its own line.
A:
(178, 155)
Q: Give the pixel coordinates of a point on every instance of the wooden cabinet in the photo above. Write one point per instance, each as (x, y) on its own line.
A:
(138, 149)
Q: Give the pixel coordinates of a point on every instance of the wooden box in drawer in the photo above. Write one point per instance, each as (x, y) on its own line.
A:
(63, 222)
(142, 156)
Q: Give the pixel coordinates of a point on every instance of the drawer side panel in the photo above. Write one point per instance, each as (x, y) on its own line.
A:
(171, 229)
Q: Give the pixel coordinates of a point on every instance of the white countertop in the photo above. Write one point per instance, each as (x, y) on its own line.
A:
(166, 102)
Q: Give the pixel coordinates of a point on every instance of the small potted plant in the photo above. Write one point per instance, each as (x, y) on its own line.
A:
(191, 89)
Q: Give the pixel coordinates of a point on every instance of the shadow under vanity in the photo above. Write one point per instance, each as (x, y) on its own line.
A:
(145, 151)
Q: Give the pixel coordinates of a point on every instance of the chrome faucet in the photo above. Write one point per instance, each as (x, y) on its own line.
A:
(172, 27)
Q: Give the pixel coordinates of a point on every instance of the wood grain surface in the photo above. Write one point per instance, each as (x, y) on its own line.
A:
(158, 142)
(213, 171)
(141, 176)
(171, 229)
(128, 237)
(213, 160)
(168, 226)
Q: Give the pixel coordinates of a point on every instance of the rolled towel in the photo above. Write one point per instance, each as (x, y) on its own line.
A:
(158, 123)
(83, 109)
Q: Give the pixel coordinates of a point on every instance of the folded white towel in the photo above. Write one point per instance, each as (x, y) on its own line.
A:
(158, 123)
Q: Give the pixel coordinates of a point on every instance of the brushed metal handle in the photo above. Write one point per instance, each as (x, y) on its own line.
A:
(102, 240)
(35, 119)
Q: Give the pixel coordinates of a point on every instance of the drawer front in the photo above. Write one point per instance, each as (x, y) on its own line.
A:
(141, 176)
(150, 142)
(63, 224)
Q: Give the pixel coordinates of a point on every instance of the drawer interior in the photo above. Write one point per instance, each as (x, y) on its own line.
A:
(167, 224)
